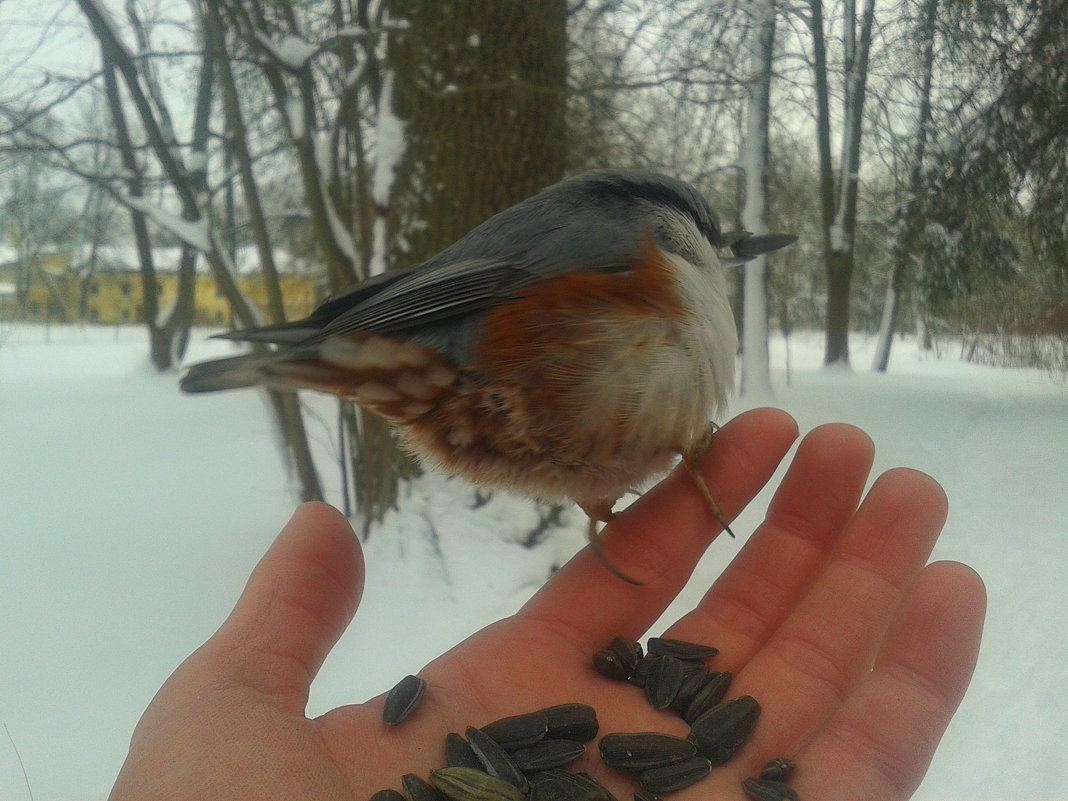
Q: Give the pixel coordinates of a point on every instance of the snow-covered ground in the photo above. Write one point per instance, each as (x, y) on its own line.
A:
(130, 517)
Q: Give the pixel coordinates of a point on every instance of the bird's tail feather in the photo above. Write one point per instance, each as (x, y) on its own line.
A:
(235, 372)
(289, 369)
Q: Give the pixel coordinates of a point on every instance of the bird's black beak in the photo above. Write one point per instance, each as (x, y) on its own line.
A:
(745, 246)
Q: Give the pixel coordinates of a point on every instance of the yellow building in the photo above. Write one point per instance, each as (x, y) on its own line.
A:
(42, 290)
(107, 288)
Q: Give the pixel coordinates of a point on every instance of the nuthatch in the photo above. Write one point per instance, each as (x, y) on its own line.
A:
(570, 347)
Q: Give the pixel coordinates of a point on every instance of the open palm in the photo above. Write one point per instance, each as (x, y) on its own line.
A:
(858, 651)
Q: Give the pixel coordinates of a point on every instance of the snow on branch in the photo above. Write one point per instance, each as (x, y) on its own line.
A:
(292, 52)
(389, 151)
(342, 235)
(194, 233)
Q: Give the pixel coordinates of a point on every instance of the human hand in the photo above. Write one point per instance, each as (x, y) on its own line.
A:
(857, 652)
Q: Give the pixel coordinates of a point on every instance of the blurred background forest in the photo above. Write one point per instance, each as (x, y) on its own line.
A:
(177, 163)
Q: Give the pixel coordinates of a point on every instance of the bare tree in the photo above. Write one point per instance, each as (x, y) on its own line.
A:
(187, 179)
(910, 221)
(756, 374)
(839, 189)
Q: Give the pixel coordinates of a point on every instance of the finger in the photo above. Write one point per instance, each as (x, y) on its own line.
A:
(297, 602)
(813, 660)
(659, 539)
(881, 742)
(778, 564)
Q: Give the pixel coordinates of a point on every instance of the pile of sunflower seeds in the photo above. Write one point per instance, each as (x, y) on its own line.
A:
(522, 757)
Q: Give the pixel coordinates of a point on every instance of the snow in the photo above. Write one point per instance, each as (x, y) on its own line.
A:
(132, 515)
(197, 161)
(324, 162)
(389, 143)
(295, 117)
(839, 240)
(194, 233)
(390, 146)
(292, 51)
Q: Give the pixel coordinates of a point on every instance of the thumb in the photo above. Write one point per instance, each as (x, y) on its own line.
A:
(298, 601)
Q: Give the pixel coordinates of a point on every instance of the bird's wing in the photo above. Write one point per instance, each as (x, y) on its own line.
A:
(297, 331)
(451, 291)
(466, 278)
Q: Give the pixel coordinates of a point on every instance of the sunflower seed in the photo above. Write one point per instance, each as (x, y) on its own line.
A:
(571, 722)
(387, 795)
(680, 649)
(694, 675)
(459, 754)
(598, 792)
(643, 750)
(547, 754)
(609, 665)
(723, 729)
(710, 694)
(675, 777)
(664, 680)
(769, 790)
(779, 770)
(402, 699)
(495, 759)
(641, 673)
(629, 653)
(468, 784)
(559, 785)
(417, 789)
(645, 795)
(517, 731)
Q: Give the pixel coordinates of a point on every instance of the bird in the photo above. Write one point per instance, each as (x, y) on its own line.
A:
(571, 347)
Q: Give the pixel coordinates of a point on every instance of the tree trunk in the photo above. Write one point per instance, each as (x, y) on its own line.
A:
(911, 224)
(188, 182)
(838, 199)
(756, 374)
(477, 91)
(839, 279)
(481, 89)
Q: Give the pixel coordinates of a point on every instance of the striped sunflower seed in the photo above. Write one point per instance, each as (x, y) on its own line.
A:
(680, 649)
(517, 731)
(468, 784)
(664, 680)
(571, 722)
(459, 754)
(418, 789)
(560, 785)
(641, 673)
(669, 778)
(694, 676)
(723, 729)
(402, 699)
(547, 754)
(495, 759)
(629, 653)
(769, 790)
(640, 751)
(710, 694)
(779, 770)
